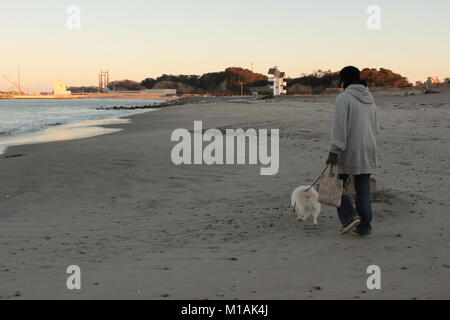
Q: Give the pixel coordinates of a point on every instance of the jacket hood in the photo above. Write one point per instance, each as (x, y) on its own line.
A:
(361, 93)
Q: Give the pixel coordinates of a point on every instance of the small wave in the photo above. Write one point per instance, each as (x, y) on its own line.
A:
(55, 124)
(26, 129)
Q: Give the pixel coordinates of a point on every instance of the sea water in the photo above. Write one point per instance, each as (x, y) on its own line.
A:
(34, 121)
(20, 116)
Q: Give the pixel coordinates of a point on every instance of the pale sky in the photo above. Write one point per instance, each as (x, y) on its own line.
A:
(136, 39)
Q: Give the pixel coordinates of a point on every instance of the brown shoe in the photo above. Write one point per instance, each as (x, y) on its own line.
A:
(349, 227)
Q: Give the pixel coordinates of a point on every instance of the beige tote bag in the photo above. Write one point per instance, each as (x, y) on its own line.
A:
(331, 188)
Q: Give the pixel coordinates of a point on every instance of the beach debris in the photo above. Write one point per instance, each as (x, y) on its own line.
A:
(429, 91)
(241, 101)
(142, 107)
(318, 288)
(14, 156)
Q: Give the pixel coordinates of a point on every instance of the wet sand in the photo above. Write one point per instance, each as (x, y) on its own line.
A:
(141, 228)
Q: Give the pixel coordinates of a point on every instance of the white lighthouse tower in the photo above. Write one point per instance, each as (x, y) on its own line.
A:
(279, 83)
(60, 89)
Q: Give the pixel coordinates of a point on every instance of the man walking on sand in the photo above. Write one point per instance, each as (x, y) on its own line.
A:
(354, 149)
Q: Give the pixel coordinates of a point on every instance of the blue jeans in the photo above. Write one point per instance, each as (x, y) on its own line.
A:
(347, 212)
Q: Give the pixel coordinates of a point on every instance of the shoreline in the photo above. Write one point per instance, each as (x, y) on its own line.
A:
(141, 228)
(62, 132)
(89, 96)
(76, 130)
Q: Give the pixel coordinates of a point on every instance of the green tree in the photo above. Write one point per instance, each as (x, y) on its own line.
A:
(148, 83)
(125, 85)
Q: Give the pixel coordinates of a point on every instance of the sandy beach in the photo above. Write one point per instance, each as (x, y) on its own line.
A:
(140, 227)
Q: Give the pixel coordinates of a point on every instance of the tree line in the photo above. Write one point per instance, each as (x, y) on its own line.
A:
(233, 80)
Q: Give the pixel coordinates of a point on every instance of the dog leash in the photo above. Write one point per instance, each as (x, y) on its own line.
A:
(318, 179)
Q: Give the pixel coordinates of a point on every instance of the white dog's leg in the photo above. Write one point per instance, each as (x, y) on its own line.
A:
(302, 217)
(299, 214)
(315, 220)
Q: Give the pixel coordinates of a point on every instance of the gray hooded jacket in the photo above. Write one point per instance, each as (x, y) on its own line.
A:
(354, 132)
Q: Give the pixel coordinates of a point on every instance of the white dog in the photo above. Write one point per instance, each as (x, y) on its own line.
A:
(306, 204)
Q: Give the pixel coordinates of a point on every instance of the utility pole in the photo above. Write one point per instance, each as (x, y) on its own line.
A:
(18, 77)
(103, 80)
(15, 85)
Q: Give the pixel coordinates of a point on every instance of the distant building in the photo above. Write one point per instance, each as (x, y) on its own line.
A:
(277, 78)
(60, 89)
(161, 91)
